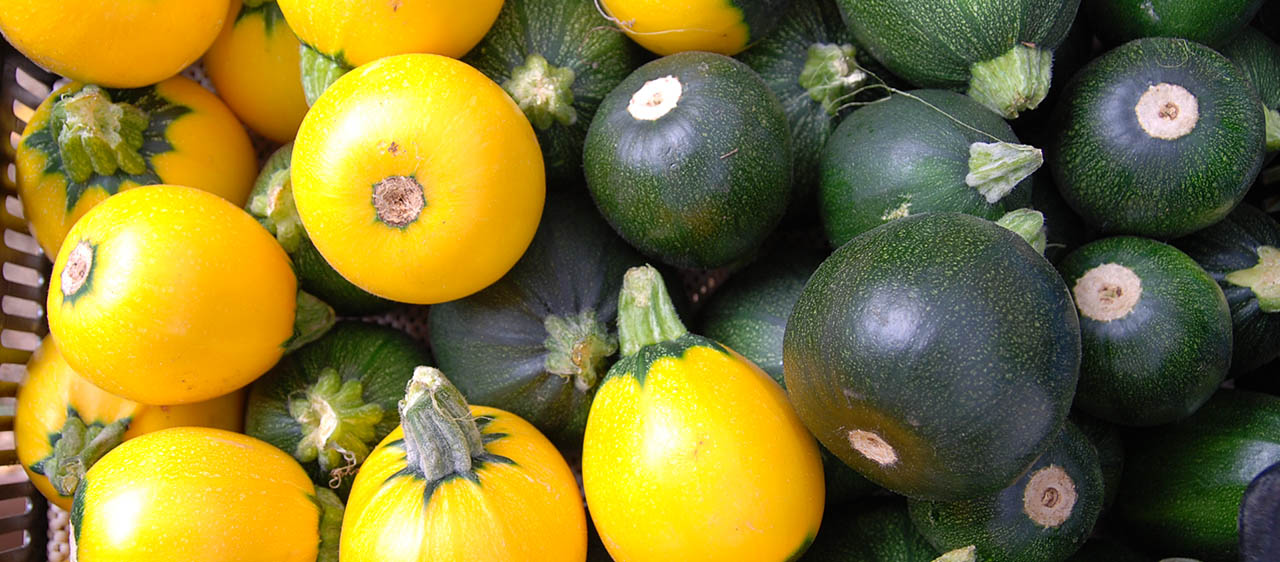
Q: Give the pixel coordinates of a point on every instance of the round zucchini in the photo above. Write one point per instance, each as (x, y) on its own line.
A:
(689, 159)
(1159, 137)
(874, 530)
(1156, 331)
(1242, 253)
(1211, 22)
(1045, 515)
(554, 60)
(1000, 50)
(698, 25)
(331, 401)
(936, 354)
(1184, 482)
(920, 152)
(1259, 57)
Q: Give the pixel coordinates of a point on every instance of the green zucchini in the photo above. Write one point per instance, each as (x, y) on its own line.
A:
(1211, 22)
(1259, 58)
(1000, 51)
(1159, 137)
(872, 530)
(329, 403)
(689, 159)
(936, 354)
(1260, 517)
(1156, 331)
(1184, 482)
(557, 60)
(1045, 515)
(920, 152)
(1242, 253)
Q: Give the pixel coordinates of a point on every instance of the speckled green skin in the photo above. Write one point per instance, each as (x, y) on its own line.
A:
(950, 338)
(1108, 550)
(1232, 245)
(1259, 58)
(1183, 483)
(702, 186)
(901, 151)
(381, 358)
(932, 43)
(570, 35)
(1205, 21)
(1122, 180)
(998, 524)
(1107, 440)
(1166, 357)
(874, 530)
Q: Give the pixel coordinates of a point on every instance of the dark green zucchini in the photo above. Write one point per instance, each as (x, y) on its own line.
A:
(557, 60)
(1183, 483)
(1211, 22)
(271, 202)
(1242, 253)
(1159, 137)
(1000, 51)
(1106, 438)
(920, 152)
(1260, 517)
(936, 354)
(1259, 58)
(1156, 331)
(689, 159)
(329, 403)
(872, 530)
(1045, 515)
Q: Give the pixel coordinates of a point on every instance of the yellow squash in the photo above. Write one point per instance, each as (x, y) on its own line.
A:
(198, 495)
(666, 27)
(170, 295)
(254, 66)
(418, 179)
(115, 44)
(462, 484)
(692, 452)
(86, 143)
(56, 405)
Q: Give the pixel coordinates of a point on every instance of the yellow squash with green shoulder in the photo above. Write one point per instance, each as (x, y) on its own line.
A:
(254, 66)
(727, 27)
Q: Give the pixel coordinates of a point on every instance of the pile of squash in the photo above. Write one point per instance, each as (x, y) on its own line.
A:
(1003, 279)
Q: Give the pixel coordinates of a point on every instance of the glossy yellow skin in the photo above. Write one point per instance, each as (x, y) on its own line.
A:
(665, 27)
(199, 495)
(528, 511)
(51, 387)
(362, 31)
(256, 72)
(189, 298)
(468, 145)
(211, 152)
(113, 44)
(707, 461)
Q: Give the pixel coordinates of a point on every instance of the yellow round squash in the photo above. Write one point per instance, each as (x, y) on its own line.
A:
(254, 66)
(170, 295)
(418, 179)
(113, 44)
(57, 406)
(727, 27)
(85, 143)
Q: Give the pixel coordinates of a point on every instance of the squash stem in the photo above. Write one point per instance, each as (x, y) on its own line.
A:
(440, 435)
(78, 447)
(271, 202)
(646, 315)
(1273, 129)
(319, 71)
(578, 347)
(1013, 82)
(338, 427)
(312, 318)
(331, 509)
(97, 136)
(543, 91)
(965, 554)
(995, 168)
(831, 73)
(1263, 279)
(1029, 224)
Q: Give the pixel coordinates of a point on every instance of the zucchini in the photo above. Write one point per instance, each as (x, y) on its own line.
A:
(1259, 58)
(1260, 517)
(719, 26)
(1211, 22)
(873, 530)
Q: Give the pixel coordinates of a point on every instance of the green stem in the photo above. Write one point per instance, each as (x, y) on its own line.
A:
(543, 91)
(1263, 279)
(338, 426)
(646, 315)
(440, 435)
(966, 554)
(313, 317)
(1029, 224)
(1273, 128)
(96, 136)
(831, 73)
(995, 168)
(331, 509)
(578, 347)
(1013, 82)
(319, 71)
(271, 201)
(78, 447)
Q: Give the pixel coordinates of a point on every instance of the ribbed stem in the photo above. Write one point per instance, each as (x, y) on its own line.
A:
(271, 202)
(338, 426)
(1263, 279)
(646, 314)
(78, 447)
(1029, 224)
(96, 136)
(543, 91)
(578, 347)
(318, 71)
(1013, 82)
(995, 168)
(830, 74)
(331, 510)
(1273, 129)
(312, 318)
(440, 435)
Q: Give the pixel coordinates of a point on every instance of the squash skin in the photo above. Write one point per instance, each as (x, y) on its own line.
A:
(986, 311)
(149, 41)
(355, 33)
(254, 66)
(522, 505)
(192, 140)
(726, 27)
(1259, 57)
(196, 494)
(1211, 22)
